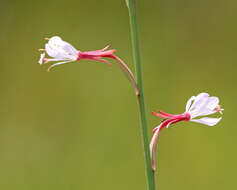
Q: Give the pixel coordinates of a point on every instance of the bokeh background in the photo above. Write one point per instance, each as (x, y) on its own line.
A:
(77, 127)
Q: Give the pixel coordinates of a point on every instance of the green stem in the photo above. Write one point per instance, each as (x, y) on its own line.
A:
(141, 101)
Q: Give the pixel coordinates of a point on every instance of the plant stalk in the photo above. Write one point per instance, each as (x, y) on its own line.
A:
(141, 101)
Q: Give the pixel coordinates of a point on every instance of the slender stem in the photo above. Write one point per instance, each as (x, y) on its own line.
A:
(141, 101)
(127, 72)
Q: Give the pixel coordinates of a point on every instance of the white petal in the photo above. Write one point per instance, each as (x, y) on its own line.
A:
(54, 47)
(199, 105)
(70, 49)
(199, 100)
(60, 49)
(207, 121)
(55, 40)
(213, 102)
(207, 108)
(56, 52)
(51, 51)
(189, 102)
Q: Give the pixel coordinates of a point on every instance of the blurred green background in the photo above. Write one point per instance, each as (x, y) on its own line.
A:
(77, 127)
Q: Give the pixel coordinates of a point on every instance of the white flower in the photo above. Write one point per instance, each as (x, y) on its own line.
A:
(197, 106)
(203, 105)
(60, 51)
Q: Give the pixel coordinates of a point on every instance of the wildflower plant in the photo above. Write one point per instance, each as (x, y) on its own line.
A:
(60, 52)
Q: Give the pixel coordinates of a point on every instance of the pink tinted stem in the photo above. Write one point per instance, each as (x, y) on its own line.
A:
(127, 71)
(154, 147)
